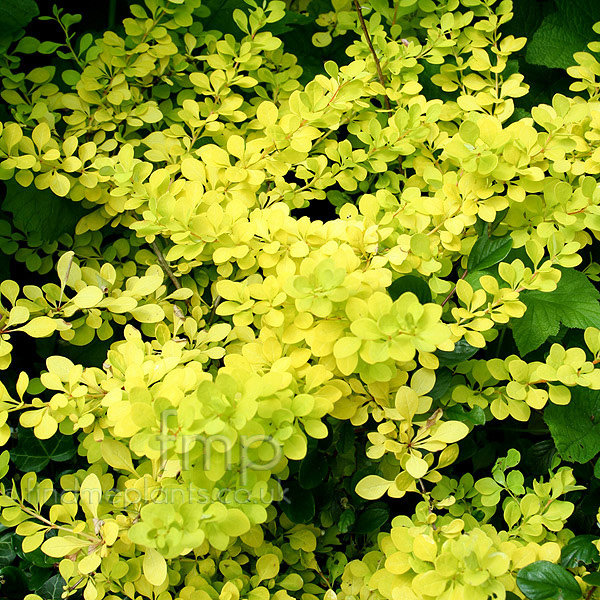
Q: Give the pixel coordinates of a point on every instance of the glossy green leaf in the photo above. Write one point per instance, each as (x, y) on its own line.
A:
(543, 580)
(488, 251)
(410, 283)
(579, 550)
(33, 454)
(462, 351)
(372, 518)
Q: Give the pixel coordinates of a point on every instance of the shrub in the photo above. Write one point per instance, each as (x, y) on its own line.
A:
(284, 329)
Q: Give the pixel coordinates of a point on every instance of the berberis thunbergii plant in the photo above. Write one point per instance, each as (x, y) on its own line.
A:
(281, 326)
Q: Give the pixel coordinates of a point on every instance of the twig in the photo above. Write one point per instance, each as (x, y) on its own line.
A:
(454, 289)
(395, 12)
(373, 53)
(427, 497)
(164, 264)
(590, 593)
(72, 587)
(213, 312)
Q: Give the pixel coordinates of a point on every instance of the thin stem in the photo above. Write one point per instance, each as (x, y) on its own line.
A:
(213, 312)
(72, 587)
(590, 593)
(500, 341)
(112, 13)
(395, 12)
(428, 498)
(373, 53)
(454, 289)
(52, 525)
(164, 264)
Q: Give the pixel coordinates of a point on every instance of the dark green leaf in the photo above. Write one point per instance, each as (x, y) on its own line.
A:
(540, 455)
(13, 582)
(346, 520)
(313, 470)
(473, 278)
(410, 283)
(7, 552)
(33, 454)
(579, 550)
(298, 504)
(475, 416)
(592, 579)
(562, 33)
(575, 427)
(372, 518)
(443, 379)
(41, 211)
(14, 16)
(597, 469)
(542, 580)
(345, 438)
(488, 251)
(574, 303)
(484, 227)
(37, 557)
(52, 589)
(38, 576)
(338, 198)
(462, 351)
(527, 18)
(289, 23)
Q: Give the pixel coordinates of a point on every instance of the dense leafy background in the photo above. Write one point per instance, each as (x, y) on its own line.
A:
(324, 481)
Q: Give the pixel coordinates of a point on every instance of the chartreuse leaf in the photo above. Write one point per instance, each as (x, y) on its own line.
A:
(544, 580)
(117, 455)
(579, 550)
(33, 454)
(372, 487)
(267, 566)
(59, 546)
(488, 251)
(574, 303)
(575, 427)
(155, 567)
(90, 493)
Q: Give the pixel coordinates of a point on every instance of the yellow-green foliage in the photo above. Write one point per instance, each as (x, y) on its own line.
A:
(239, 320)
